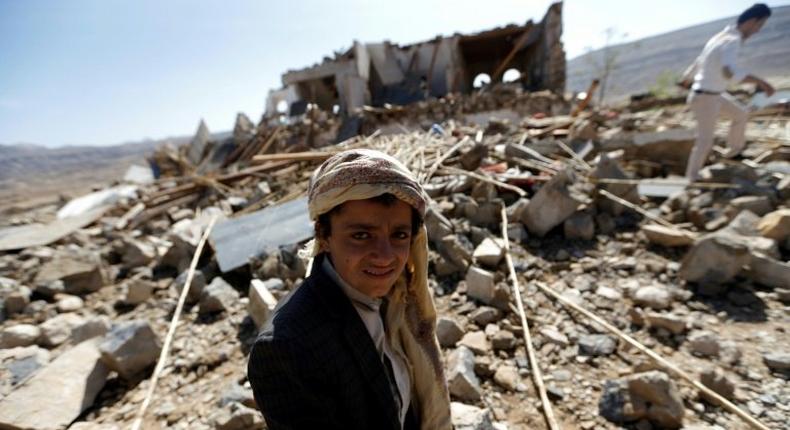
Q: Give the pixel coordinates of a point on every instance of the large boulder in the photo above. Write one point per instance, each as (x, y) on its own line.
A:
(57, 394)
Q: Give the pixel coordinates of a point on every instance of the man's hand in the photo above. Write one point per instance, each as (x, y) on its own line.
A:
(767, 88)
(685, 84)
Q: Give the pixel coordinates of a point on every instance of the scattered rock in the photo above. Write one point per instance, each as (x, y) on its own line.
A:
(554, 336)
(83, 273)
(136, 291)
(553, 204)
(489, 253)
(777, 361)
(237, 417)
(476, 341)
(19, 335)
(480, 285)
(669, 237)
(485, 315)
(508, 378)
(759, 205)
(137, 253)
(17, 300)
(235, 393)
(665, 406)
(718, 382)
(597, 344)
(466, 417)
(653, 296)
(57, 330)
(218, 296)
(704, 343)
(67, 387)
(448, 331)
(767, 271)
(714, 259)
(461, 379)
(195, 288)
(93, 327)
(69, 303)
(776, 225)
(25, 361)
(672, 323)
(262, 302)
(130, 348)
(579, 226)
(503, 339)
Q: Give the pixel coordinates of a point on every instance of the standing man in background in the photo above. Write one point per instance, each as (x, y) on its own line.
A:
(708, 77)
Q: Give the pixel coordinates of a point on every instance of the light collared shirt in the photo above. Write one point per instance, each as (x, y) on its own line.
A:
(369, 310)
(720, 51)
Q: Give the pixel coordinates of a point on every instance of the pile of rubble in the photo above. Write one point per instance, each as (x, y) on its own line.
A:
(697, 273)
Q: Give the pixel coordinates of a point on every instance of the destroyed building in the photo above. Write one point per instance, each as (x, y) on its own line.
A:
(378, 74)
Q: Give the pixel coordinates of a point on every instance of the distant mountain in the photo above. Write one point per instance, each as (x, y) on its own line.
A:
(32, 161)
(640, 64)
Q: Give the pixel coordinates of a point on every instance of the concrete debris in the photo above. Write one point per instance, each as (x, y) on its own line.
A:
(218, 296)
(669, 237)
(595, 205)
(80, 274)
(136, 291)
(717, 381)
(489, 252)
(650, 395)
(130, 348)
(777, 361)
(67, 386)
(553, 204)
(716, 258)
(19, 335)
(466, 417)
(58, 329)
(195, 288)
(776, 225)
(461, 378)
(262, 301)
(448, 332)
(597, 344)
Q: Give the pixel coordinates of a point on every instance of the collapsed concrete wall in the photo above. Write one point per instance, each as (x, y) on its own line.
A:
(377, 74)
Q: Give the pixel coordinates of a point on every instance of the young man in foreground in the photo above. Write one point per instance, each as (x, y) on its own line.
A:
(354, 347)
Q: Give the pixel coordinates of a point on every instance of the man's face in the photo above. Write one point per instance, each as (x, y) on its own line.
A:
(369, 244)
(752, 27)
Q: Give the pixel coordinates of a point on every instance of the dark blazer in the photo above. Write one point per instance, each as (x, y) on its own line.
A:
(314, 365)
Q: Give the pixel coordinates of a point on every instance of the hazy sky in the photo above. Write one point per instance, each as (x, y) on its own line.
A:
(102, 71)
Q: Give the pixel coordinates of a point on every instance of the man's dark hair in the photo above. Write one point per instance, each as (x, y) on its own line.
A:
(757, 11)
(323, 228)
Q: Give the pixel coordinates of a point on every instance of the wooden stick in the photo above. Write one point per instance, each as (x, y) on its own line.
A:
(455, 171)
(160, 365)
(537, 376)
(293, 156)
(645, 213)
(710, 185)
(726, 404)
(444, 156)
(573, 154)
(520, 42)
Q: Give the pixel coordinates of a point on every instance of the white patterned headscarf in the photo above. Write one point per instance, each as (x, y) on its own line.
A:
(411, 315)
